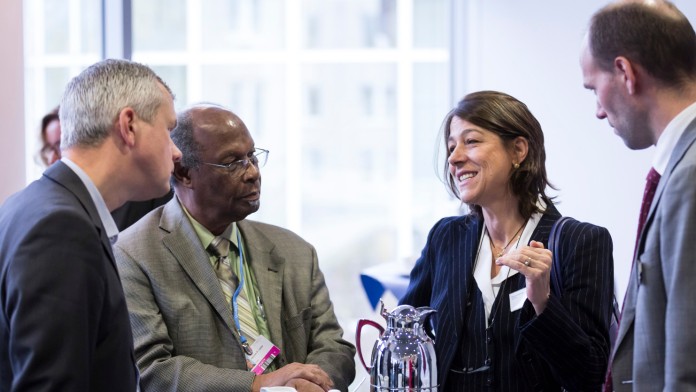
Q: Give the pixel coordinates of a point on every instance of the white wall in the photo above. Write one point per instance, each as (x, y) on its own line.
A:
(530, 49)
(11, 99)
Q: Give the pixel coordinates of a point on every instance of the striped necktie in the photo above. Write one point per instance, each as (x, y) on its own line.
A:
(220, 248)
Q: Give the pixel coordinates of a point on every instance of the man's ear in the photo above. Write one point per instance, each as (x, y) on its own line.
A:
(181, 175)
(627, 73)
(126, 126)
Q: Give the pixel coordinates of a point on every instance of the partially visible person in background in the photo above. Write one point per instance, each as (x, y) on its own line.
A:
(499, 326)
(50, 138)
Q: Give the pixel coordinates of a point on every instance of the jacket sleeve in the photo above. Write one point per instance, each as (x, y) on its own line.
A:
(53, 292)
(676, 266)
(325, 346)
(572, 333)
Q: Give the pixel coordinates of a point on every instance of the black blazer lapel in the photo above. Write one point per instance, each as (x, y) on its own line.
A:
(543, 229)
(456, 255)
(64, 176)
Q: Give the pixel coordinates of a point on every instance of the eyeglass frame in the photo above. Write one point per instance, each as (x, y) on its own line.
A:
(243, 164)
(49, 150)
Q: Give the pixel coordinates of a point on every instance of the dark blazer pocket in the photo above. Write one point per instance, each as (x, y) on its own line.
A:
(296, 335)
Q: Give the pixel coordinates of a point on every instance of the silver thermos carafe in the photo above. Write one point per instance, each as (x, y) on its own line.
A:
(403, 358)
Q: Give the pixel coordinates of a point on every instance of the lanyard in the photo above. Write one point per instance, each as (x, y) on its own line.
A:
(235, 310)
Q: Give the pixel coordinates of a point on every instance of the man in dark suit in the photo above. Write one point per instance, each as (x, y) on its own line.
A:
(639, 58)
(64, 324)
(188, 301)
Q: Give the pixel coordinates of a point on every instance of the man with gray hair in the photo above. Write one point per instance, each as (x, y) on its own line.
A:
(64, 323)
(219, 302)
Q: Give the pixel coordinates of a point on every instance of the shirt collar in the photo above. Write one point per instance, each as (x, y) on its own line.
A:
(104, 214)
(670, 136)
(204, 235)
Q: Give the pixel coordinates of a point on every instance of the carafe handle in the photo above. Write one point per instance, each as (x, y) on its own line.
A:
(358, 334)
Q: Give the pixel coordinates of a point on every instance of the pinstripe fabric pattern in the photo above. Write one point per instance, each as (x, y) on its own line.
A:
(566, 345)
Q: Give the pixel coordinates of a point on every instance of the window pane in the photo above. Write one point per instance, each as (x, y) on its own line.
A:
(159, 25)
(241, 24)
(57, 16)
(56, 80)
(56, 24)
(61, 37)
(90, 20)
(338, 24)
(430, 23)
(256, 94)
(430, 198)
(348, 174)
(175, 77)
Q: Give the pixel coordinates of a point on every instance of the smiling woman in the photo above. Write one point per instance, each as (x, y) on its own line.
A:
(488, 273)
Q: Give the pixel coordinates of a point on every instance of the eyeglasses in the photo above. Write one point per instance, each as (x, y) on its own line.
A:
(258, 159)
(48, 150)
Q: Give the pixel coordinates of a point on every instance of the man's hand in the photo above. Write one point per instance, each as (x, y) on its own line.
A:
(297, 373)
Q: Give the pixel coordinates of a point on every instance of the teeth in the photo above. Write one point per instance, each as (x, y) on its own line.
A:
(466, 176)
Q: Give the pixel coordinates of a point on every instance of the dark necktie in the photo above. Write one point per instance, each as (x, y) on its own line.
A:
(650, 187)
(651, 182)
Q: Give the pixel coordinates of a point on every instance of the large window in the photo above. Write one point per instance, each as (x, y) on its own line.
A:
(61, 37)
(348, 95)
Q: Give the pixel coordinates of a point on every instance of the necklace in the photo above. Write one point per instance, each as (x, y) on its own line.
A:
(504, 248)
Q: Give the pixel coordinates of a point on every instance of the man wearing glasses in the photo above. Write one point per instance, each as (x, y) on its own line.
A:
(218, 302)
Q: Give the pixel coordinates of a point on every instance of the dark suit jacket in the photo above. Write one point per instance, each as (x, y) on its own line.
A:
(656, 341)
(64, 323)
(568, 343)
(185, 339)
(132, 211)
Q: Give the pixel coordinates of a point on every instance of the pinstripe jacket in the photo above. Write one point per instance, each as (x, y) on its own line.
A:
(567, 345)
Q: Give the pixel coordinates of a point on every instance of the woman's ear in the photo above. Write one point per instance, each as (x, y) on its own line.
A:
(520, 148)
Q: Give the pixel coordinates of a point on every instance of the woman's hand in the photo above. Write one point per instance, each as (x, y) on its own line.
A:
(534, 262)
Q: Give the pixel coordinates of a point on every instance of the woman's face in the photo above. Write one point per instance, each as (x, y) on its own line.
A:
(480, 163)
(51, 149)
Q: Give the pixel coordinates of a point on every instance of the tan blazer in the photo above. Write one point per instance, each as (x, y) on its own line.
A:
(185, 339)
